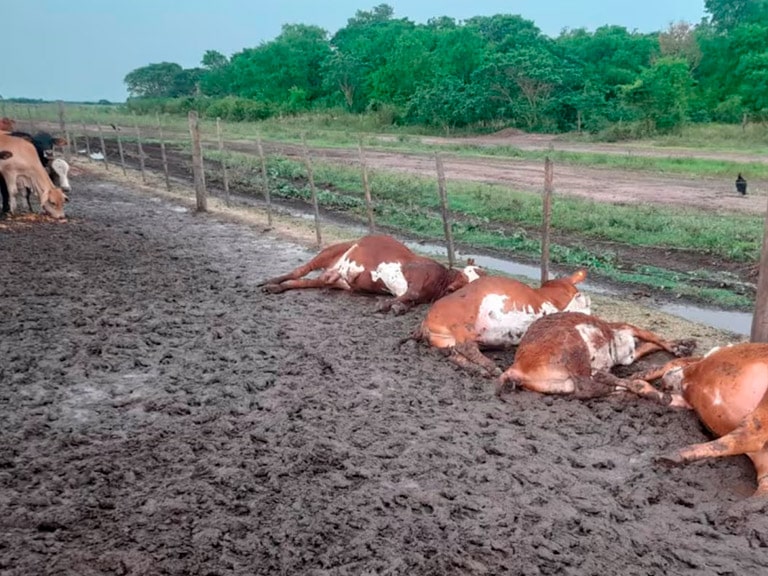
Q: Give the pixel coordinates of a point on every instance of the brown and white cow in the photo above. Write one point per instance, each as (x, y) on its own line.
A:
(25, 164)
(377, 265)
(495, 312)
(572, 353)
(728, 390)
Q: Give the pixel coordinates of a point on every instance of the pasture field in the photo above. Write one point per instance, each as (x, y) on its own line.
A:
(662, 216)
(161, 415)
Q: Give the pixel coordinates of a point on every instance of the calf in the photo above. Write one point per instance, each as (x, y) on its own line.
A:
(728, 390)
(495, 312)
(377, 265)
(24, 163)
(572, 353)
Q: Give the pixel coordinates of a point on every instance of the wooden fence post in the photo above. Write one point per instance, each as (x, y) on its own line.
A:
(265, 178)
(197, 162)
(120, 147)
(163, 155)
(366, 187)
(223, 161)
(63, 128)
(103, 147)
(444, 209)
(546, 218)
(311, 176)
(87, 141)
(32, 126)
(759, 331)
(140, 150)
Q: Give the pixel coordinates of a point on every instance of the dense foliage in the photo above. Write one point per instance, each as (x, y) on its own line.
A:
(486, 71)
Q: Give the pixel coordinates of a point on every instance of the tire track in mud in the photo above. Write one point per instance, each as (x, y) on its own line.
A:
(161, 415)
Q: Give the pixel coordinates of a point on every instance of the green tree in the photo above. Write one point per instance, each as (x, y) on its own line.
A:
(345, 73)
(729, 14)
(153, 80)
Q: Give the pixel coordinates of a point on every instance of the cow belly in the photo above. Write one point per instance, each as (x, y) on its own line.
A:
(391, 275)
(347, 269)
(496, 326)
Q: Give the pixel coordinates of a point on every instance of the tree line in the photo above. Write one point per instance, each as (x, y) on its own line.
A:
(486, 71)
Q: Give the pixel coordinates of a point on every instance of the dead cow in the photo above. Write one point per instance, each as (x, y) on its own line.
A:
(572, 353)
(727, 389)
(495, 312)
(377, 265)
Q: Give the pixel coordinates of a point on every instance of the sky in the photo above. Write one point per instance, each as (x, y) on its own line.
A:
(80, 50)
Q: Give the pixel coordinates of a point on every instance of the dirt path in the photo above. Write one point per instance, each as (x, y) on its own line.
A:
(160, 415)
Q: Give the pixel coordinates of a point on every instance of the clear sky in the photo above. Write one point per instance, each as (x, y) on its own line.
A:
(82, 49)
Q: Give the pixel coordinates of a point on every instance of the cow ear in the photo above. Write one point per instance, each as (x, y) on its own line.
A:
(60, 142)
(578, 276)
(470, 261)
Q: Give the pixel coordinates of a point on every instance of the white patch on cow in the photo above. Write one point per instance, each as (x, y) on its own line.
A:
(60, 168)
(672, 380)
(579, 303)
(471, 273)
(716, 348)
(497, 327)
(718, 399)
(603, 355)
(347, 268)
(391, 274)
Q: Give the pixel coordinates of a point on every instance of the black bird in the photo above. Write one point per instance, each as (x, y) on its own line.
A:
(741, 185)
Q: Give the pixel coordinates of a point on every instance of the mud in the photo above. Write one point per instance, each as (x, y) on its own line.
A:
(161, 415)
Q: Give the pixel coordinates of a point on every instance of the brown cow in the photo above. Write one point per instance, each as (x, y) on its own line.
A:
(377, 265)
(728, 390)
(495, 312)
(24, 163)
(572, 353)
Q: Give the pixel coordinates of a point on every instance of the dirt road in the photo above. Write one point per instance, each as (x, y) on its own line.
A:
(161, 415)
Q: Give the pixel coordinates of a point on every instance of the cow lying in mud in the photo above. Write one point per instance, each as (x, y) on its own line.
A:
(572, 353)
(495, 312)
(728, 390)
(377, 265)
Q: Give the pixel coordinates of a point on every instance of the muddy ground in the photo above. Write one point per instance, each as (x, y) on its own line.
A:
(161, 415)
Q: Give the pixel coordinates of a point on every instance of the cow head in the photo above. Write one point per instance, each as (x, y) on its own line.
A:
(460, 278)
(59, 173)
(53, 201)
(562, 293)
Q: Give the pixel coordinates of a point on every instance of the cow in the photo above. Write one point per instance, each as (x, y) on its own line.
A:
(572, 353)
(25, 163)
(741, 185)
(58, 169)
(377, 265)
(495, 312)
(728, 390)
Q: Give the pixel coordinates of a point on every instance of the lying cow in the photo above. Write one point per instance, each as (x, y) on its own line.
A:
(24, 163)
(495, 312)
(377, 265)
(728, 390)
(572, 353)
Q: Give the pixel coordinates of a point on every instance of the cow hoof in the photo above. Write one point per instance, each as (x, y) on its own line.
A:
(272, 288)
(398, 308)
(684, 347)
(383, 307)
(668, 460)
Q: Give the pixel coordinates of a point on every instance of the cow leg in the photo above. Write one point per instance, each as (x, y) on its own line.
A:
(468, 355)
(658, 372)
(601, 383)
(12, 190)
(750, 436)
(29, 200)
(644, 389)
(398, 306)
(332, 280)
(323, 260)
(652, 343)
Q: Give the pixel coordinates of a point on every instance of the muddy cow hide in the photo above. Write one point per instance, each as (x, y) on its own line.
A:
(572, 353)
(377, 265)
(495, 312)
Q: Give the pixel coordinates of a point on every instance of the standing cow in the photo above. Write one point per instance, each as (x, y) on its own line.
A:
(377, 265)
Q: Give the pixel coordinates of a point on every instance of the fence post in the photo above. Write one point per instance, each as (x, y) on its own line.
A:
(120, 147)
(444, 208)
(265, 178)
(366, 186)
(197, 163)
(63, 127)
(103, 147)
(223, 161)
(140, 149)
(87, 141)
(162, 154)
(32, 126)
(759, 332)
(547, 218)
(311, 176)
